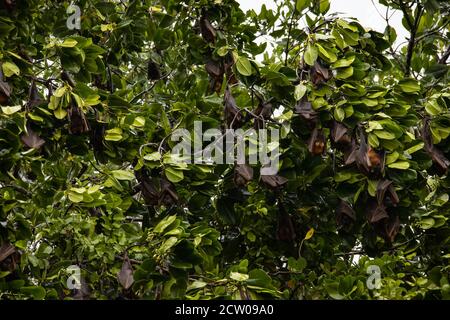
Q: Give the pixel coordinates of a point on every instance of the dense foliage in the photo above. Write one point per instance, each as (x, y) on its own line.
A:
(87, 177)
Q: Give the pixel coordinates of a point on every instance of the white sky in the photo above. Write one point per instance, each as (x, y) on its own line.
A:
(363, 10)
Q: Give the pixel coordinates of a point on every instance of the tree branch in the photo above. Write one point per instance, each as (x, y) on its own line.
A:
(412, 39)
(286, 50)
(405, 14)
(384, 251)
(443, 59)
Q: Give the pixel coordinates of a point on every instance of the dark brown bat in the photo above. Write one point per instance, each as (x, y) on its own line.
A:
(345, 215)
(285, 226)
(350, 153)
(207, 30)
(376, 212)
(78, 122)
(273, 182)
(233, 116)
(156, 191)
(10, 5)
(97, 138)
(368, 160)
(391, 228)
(243, 174)
(264, 112)
(33, 97)
(305, 110)
(440, 161)
(153, 70)
(32, 139)
(386, 193)
(317, 142)
(228, 63)
(168, 195)
(319, 74)
(340, 135)
(216, 72)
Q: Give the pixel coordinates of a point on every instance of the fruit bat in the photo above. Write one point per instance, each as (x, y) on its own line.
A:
(319, 74)
(207, 30)
(273, 182)
(285, 226)
(243, 174)
(440, 161)
(317, 142)
(233, 116)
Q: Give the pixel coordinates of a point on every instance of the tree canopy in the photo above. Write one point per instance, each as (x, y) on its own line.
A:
(88, 179)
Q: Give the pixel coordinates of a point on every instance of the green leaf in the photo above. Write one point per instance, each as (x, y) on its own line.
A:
(309, 234)
(432, 108)
(54, 102)
(344, 62)
(75, 197)
(415, 148)
(78, 100)
(222, 51)
(164, 223)
(10, 110)
(114, 134)
(374, 125)
(165, 123)
(107, 27)
(383, 134)
(10, 68)
(392, 157)
(169, 243)
(409, 85)
(339, 114)
(372, 187)
(259, 279)
(344, 73)
(244, 66)
(402, 165)
(60, 92)
(342, 176)
(301, 5)
(238, 276)
(139, 122)
(299, 91)
(297, 265)
(373, 140)
(311, 54)
(60, 113)
(154, 156)
(4, 273)
(36, 292)
(173, 174)
(328, 55)
(426, 223)
(92, 100)
(123, 174)
(344, 24)
(196, 285)
(324, 6)
(69, 43)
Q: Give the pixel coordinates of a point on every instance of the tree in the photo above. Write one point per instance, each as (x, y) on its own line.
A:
(88, 180)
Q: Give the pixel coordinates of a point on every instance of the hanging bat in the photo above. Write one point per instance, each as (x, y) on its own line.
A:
(153, 70)
(207, 30)
(319, 74)
(317, 142)
(285, 226)
(233, 116)
(243, 174)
